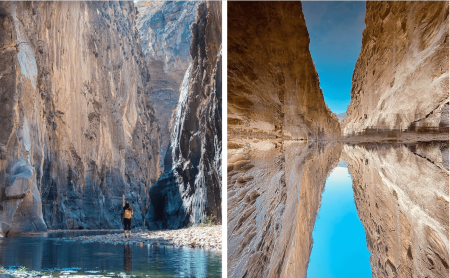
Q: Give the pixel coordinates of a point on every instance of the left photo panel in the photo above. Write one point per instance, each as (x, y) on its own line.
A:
(111, 139)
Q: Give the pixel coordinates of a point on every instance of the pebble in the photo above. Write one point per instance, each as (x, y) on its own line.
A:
(193, 237)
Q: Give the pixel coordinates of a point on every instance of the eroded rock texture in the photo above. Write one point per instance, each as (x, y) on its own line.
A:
(401, 78)
(273, 87)
(164, 28)
(76, 129)
(401, 193)
(190, 187)
(274, 192)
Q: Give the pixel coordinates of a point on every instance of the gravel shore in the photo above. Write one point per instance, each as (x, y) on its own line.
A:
(194, 237)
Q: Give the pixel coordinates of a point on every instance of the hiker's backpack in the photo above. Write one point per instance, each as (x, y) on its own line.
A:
(127, 214)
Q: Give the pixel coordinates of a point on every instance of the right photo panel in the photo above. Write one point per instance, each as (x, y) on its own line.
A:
(338, 139)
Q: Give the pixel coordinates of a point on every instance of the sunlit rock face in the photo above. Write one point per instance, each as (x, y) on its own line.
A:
(164, 28)
(401, 193)
(273, 87)
(190, 187)
(274, 192)
(76, 124)
(401, 78)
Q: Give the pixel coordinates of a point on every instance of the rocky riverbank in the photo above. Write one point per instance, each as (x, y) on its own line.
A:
(194, 237)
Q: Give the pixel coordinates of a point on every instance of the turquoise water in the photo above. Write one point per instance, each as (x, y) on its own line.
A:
(61, 258)
(339, 248)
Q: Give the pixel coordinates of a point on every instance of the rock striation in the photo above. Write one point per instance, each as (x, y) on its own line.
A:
(274, 194)
(164, 28)
(401, 78)
(77, 129)
(273, 87)
(190, 187)
(401, 193)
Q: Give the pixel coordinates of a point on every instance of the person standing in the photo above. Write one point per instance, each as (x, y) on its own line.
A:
(127, 215)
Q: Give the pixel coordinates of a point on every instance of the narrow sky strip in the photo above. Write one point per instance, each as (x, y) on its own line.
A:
(335, 30)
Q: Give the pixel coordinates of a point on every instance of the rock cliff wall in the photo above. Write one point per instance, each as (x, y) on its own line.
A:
(273, 87)
(164, 28)
(190, 187)
(401, 193)
(401, 78)
(77, 129)
(274, 193)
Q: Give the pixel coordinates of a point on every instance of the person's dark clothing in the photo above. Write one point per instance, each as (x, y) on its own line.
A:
(127, 224)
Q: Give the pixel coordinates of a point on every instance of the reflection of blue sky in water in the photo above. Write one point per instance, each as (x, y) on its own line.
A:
(339, 248)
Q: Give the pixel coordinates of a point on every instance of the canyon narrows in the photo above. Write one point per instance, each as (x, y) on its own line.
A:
(190, 187)
(86, 88)
(283, 141)
(164, 28)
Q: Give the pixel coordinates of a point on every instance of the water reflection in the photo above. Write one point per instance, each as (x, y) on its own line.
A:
(399, 192)
(127, 258)
(339, 236)
(86, 258)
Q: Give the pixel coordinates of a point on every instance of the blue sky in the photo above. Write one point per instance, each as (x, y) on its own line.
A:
(340, 248)
(335, 30)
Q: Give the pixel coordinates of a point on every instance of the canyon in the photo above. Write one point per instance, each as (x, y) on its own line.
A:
(164, 28)
(78, 130)
(283, 141)
(81, 125)
(189, 190)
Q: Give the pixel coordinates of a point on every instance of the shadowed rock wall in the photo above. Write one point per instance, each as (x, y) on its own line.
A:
(401, 193)
(164, 29)
(190, 187)
(77, 129)
(401, 78)
(273, 87)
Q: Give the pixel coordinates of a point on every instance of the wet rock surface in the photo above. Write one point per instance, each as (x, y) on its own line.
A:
(274, 191)
(190, 187)
(76, 108)
(401, 193)
(401, 78)
(193, 237)
(273, 87)
(164, 30)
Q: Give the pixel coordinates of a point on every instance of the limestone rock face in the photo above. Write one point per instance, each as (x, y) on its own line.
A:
(164, 28)
(401, 193)
(273, 87)
(274, 193)
(401, 78)
(76, 114)
(21, 207)
(190, 187)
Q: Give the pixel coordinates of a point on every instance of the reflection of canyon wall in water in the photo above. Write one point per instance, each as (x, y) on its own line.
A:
(401, 193)
(164, 30)
(76, 127)
(190, 187)
(401, 78)
(273, 87)
(274, 191)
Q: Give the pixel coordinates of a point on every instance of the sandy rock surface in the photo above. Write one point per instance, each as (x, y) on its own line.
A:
(194, 237)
